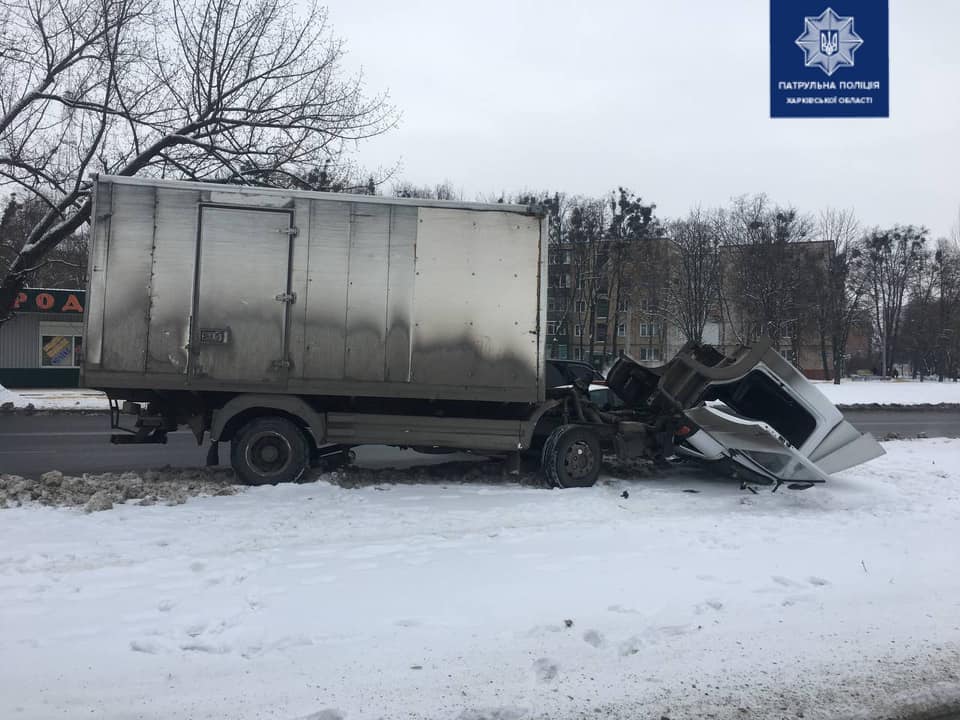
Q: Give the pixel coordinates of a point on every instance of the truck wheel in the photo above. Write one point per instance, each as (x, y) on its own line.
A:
(269, 450)
(572, 456)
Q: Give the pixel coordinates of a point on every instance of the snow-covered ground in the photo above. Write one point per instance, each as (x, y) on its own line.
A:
(891, 392)
(9, 396)
(55, 399)
(677, 596)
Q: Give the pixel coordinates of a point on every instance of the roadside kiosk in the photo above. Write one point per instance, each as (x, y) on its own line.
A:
(41, 345)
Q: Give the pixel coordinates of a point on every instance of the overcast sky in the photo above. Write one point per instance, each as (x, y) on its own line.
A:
(667, 97)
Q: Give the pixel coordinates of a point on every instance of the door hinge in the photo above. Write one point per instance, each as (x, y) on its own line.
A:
(286, 297)
(291, 231)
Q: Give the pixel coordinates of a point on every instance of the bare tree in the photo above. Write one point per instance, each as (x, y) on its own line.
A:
(631, 251)
(245, 91)
(440, 191)
(64, 267)
(888, 258)
(761, 267)
(839, 286)
(586, 230)
(691, 293)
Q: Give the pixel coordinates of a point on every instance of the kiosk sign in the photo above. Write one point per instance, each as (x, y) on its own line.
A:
(829, 60)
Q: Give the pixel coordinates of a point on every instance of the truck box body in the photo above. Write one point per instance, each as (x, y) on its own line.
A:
(206, 287)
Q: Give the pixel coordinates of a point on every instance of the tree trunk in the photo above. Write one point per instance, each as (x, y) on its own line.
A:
(823, 355)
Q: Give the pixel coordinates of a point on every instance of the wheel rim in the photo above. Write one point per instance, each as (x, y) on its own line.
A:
(578, 461)
(268, 453)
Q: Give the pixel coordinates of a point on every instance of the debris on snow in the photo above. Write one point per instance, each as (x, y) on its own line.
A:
(545, 669)
(450, 473)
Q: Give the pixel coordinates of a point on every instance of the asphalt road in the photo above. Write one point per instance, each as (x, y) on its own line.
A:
(74, 444)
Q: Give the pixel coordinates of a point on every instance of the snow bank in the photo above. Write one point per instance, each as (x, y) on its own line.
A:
(674, 596)
(9, 396)
(61, 399)
(101, 492)
(891, 392)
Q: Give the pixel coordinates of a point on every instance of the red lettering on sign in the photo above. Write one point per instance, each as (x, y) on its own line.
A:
(21, 298)
(44, 301)
(72, 304)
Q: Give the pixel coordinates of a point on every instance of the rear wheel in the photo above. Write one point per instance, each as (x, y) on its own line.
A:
(269, 450)
(572, 457)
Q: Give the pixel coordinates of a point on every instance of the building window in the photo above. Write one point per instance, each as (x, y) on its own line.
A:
(649, 353)
(648, 329)
(603, 309)
(578, 330)
(581, 306)
(551, 304)
(621, 305)
(551, 327)
(564, 280)
(578, 353)
(601, 332)
(563, 353)
(622, 330)
(61, 345)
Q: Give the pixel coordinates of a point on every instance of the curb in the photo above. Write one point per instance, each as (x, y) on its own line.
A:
(925, 407)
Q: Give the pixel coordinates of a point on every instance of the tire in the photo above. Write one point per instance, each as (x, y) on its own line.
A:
(572, 457)
(269, 450)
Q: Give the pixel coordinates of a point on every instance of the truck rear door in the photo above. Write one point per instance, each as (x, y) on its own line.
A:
(242, 300)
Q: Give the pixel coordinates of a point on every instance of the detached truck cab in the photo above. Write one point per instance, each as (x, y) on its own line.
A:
(296, 325)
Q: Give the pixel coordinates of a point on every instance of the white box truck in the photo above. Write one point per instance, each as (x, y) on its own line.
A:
(296, 325)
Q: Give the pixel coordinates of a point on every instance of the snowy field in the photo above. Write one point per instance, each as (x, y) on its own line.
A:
(674, 596)
(891, 392)
(900, 392)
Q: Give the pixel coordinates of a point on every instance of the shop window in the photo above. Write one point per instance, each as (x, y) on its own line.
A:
(61, 345)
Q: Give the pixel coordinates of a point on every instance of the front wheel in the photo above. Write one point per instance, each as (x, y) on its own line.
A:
(269, 450)
(572, 457)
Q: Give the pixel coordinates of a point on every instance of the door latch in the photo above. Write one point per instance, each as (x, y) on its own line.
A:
(286, 297)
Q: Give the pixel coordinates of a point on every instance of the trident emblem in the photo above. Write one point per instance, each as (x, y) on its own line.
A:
(829, 42)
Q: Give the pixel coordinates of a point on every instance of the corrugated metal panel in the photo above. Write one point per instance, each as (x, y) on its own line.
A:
(367, 291)
(20, 338)
(403, 243)
(477, 301)
(19, 342)
(171, 280)
(325, 308)
(128, 265)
